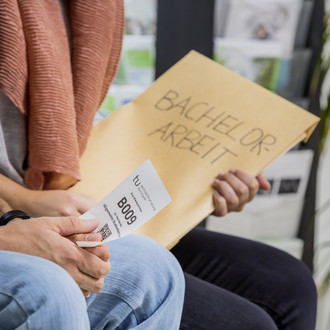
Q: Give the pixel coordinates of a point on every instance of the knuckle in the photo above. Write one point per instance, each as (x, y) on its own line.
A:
(233, 201)
(72, 256)
(102, 269)
(108, 253)
(99, 271)
(107, 267)
(254, 185)
(98, 285)
(105, 252)
(243, 191)
(221, 212)
(226, 176)
(66, 211)
(72, 221)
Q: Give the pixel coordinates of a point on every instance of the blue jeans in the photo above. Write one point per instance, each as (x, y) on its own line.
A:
(144, 290)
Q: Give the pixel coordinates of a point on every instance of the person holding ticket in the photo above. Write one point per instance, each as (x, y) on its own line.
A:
(57, 61)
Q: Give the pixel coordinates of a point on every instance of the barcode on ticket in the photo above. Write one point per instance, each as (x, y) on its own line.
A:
(105, 231)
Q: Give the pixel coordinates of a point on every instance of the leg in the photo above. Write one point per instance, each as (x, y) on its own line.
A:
(278, 283)
(208, 306)
(38, 294)
(143, 290)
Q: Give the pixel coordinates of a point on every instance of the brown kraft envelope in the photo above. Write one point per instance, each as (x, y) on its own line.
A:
(196, 120)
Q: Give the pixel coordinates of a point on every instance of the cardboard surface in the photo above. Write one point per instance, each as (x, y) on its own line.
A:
(196, 120)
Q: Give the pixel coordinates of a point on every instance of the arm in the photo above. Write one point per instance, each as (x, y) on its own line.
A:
(233, 190)
(44, 202)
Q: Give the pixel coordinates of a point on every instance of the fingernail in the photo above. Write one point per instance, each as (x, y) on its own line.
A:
(232, 170)
(216, 193)
(93, 237)
(220, 175)
(216, 181)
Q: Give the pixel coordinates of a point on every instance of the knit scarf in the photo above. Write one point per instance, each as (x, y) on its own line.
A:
(58, 91)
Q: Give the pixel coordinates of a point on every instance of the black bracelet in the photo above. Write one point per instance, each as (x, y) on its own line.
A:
(13, 214)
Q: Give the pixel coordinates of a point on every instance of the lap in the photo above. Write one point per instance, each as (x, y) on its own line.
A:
(208, 306)
(34, 291)
(263, 275)
(145, 287)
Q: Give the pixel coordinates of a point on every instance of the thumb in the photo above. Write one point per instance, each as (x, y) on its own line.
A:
(263, 182)
(73, 225)
(89, 237)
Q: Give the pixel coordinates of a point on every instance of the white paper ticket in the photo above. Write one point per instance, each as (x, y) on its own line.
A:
(132, 203)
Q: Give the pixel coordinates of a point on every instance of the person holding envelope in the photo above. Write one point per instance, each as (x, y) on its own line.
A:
(57, 61)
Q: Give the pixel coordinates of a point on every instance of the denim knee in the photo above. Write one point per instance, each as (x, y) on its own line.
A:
(148, 279)
(38, 294)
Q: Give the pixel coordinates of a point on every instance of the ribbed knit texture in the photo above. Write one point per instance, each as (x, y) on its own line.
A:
(59, 94)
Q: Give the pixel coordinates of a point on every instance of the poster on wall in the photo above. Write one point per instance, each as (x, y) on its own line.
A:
(264, 20)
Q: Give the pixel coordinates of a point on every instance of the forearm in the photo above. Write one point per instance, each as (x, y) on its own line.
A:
(12, 193)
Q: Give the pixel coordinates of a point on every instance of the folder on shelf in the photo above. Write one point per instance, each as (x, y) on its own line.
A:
(196, 120)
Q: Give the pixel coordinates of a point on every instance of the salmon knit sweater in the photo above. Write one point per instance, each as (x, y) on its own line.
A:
(58, 91)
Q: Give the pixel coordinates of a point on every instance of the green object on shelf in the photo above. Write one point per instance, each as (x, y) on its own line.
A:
(139, 58)
(108, 105)
(268, 72)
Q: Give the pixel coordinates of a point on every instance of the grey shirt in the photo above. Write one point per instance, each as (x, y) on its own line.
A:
(13, 145)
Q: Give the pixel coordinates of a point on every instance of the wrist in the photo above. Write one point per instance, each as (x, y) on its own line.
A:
(13, 214)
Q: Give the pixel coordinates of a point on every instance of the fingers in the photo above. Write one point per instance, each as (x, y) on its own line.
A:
(89, 237)
(220, 204)
(223, 186)
(250, 183)
(101, 251)
(88, 266)
(87, 283)
(87, 269)
(233, 190)
(72, 225)
(86, 293)
(94, 266)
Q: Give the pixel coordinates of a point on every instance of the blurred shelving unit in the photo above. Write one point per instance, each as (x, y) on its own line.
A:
(137, 64)
(282, 57)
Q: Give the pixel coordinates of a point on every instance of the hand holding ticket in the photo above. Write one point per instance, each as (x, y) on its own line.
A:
(132, 203)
